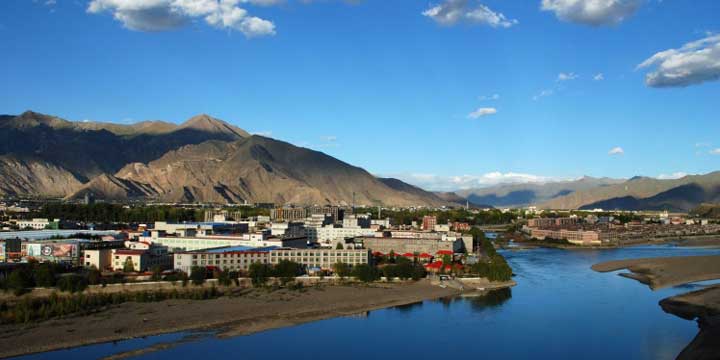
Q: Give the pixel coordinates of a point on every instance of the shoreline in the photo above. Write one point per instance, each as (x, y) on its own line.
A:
(663, 272)
(252, 312)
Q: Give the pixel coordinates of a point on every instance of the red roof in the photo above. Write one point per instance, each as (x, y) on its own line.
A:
(425, 255)
(444, 252)
(377, 253)
(439, 264)
(408, 255)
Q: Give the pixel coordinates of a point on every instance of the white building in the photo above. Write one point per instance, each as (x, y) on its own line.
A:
(36, 224)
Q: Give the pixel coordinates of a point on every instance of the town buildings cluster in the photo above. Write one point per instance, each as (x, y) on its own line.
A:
(316, 238)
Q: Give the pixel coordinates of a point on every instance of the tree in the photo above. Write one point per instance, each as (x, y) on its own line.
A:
(198, 275)
(287, 270)
(366, 273)
(128, 266)
(20, 280)
(44, 275)
(259, 273)
(94, 276)
(156, 273)
(72, 283)
(339, 246)
(342, 270)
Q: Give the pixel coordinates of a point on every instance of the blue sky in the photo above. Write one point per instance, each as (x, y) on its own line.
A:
(444, 94)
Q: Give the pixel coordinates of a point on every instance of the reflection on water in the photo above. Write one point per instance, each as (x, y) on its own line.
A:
(559, 309)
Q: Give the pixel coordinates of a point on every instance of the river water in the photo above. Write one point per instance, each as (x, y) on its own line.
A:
(560, 309)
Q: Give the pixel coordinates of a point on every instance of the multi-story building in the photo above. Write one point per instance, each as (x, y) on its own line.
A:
(578, 237)
(320, 258)
(429, 222)
(329, 236)
(256, 239)
(551, 222)
(288, 214)
(240, 258)
(38, 224)
(140, 260)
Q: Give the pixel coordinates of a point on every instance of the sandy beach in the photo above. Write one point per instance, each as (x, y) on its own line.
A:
(249, 312)
(665, 272)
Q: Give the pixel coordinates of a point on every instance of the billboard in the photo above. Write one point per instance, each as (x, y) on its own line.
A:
(34, 250)
(59, 250)
(52, 250)
(2, 251)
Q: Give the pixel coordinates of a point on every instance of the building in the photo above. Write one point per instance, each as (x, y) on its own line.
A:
(253, 240)
(320, 258)
(551, 222)
(288, 214)
(38, 224)
(429, 222)
(141, 260)
(192, 228)
(240, 258)
(336, 213)
(578, 237)
(357, 221)
(233, 258)
(397, 245)
(329, 236)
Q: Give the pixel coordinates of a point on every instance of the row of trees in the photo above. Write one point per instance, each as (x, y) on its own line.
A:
(108, 213)
(407, 216)
(33, 308)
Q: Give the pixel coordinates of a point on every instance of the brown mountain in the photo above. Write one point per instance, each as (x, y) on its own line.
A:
(644, 193)
(525, 194)
(201, 160)
(259, 169)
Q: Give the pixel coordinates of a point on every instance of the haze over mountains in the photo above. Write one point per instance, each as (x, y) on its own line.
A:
(637, 193)
(202, 160)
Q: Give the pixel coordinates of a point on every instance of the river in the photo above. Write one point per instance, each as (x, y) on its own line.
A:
(559, 309)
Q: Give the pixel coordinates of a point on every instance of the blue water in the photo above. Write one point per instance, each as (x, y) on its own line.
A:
(560, 309)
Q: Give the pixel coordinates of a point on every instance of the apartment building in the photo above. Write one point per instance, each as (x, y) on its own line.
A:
(320, 258)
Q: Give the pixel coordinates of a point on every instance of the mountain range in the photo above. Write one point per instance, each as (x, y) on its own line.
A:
(637, 193)
(201, 160)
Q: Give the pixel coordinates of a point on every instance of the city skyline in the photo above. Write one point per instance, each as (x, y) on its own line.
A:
(479, 92)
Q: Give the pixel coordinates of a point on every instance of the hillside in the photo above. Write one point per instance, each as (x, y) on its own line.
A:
(644, 193)
(520, 195)
(260, 169)
(203, 159)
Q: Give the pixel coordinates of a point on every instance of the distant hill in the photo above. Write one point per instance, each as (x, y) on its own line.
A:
(521, 195)
(202, 160)
(644, 193)
(707, 210)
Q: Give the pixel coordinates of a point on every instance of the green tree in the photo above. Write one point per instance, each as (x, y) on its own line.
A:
(342, 270)
(20, 280)
(128, 266)
(156, 273)
(94, 276)
(259, 273)
(366, 273)
(44, 275)
(72, 283)
(198, 274)
(339, 246)
(287, 270)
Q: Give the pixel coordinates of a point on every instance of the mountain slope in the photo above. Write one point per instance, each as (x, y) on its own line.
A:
(87, 150)
(259, 169)
(520, 195)
(639, 188)
(34, 177)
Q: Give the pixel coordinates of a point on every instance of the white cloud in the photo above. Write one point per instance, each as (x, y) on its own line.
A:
(715, 151)
(451, 12)
(160, 15)
(482, 112)
(702, 144)
(489, 97)
(694, 63)
(452, 183)
(599, 77)
(616, 151)
(592, 12)
(567, 76)
(675, 175)
(543, 93)
(265, 133)
(329, 138)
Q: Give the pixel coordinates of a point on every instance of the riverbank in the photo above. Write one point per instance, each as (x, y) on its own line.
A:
(247, 311)
(703, 305)
(665, 272)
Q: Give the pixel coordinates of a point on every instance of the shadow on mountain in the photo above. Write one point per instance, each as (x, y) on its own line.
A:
(681, 198)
